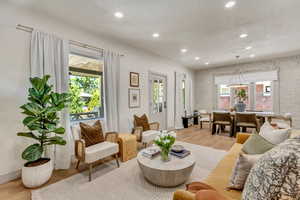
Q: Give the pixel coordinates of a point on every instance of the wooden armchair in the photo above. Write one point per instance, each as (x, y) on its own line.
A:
(93, 153)
(145, 136)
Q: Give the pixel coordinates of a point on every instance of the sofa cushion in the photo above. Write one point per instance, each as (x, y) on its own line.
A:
(241, 170)
(275, 136)
(142, 122)
(194, 187)
(91, 134)
(256, 144)
(276, 175)
(100, 150)
(219, 177)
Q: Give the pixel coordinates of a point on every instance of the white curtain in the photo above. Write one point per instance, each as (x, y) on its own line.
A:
(179, 107)
(111, 85)
(49, 56)
(189, 95)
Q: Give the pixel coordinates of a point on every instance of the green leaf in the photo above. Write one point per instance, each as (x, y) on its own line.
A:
(32, 108)
(33, 152)
(27, 134)
(56, 140)
(28, 121)
(60, 130)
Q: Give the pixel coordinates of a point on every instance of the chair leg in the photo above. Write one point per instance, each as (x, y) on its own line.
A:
(90, 171)
(201, 124)
(77, 165)
(117, 160)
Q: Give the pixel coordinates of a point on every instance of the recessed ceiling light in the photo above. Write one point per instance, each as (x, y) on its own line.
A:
(155, 35)
(244, 35)
(119, 15)
(197, 58)
(252, 56)
(207, 63)
(230, 4)
(183, 50)
(248, 48)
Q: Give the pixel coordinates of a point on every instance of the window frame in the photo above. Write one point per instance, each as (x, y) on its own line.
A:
(91, 55)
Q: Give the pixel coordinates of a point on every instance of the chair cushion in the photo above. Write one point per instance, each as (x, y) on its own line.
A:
(142, 122)
(149, 136)
(256, 144)
(246, 124)
(204, 119)
(100, 150)
(91, 134)
(222, 122)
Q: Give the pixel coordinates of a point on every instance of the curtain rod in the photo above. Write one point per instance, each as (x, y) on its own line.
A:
(73, 42)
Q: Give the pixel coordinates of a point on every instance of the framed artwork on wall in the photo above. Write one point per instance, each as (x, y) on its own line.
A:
(134, 79)
(134, 98)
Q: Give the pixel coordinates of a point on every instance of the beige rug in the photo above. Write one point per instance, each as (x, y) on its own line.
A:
(126, 182)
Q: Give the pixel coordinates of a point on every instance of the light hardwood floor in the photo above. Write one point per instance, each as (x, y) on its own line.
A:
(14, 190)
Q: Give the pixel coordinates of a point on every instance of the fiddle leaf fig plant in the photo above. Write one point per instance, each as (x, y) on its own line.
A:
(42, 117)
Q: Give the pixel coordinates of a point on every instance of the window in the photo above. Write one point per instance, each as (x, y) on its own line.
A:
(86, 87)
(224, 97)
(158, 96)
(263, 96)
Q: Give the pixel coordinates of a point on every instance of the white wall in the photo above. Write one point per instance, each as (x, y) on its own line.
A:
(14, 62)
(289, 84)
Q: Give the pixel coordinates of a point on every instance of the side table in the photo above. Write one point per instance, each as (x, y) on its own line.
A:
(127, 146)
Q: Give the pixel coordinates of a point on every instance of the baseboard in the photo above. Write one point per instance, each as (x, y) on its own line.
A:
(4, 178)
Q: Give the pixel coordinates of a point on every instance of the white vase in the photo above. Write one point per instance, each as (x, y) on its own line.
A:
(36, 176)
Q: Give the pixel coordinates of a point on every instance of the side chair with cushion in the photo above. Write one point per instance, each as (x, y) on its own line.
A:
(91, 145)
(246, 120)
(205, 117)
(222, 119)
(145, 132)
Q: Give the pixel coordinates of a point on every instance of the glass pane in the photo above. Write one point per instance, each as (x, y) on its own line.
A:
(263, 98)
(224, 97)
(85, 88)
(158, 95)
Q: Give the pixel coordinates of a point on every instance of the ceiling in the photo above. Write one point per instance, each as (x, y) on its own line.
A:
(205, 27)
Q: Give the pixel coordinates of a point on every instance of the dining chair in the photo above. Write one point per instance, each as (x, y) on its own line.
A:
(222, 119)
(204, 117)
(246, 120)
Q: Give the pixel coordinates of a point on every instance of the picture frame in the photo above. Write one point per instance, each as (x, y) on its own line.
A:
(134, 98)
(134, 79)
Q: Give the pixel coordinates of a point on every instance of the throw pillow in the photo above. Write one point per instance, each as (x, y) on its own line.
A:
(276, 136)
(266, 127)
(142, 122)
(194, 187)
(91, 134)
(241, 170)
(256, 144)
(209, 195)
(276, 175)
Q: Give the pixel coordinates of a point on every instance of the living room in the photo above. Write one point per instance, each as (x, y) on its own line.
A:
(212, 80)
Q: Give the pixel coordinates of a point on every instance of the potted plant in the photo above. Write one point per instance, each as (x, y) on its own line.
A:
(42, 122)
(165, 142)
(241, 95)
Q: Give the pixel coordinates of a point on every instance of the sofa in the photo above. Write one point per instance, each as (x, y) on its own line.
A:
(219, 177)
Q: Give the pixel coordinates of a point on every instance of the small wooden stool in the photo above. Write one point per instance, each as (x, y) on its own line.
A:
(127, 146)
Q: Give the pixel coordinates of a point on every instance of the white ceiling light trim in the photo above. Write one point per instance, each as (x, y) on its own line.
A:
(197, 58)
(248, 47)
(243, 35)
(119, 15)
(155, 35)
(230, 4)
(207, 63)
(252, 55)
(183, 50)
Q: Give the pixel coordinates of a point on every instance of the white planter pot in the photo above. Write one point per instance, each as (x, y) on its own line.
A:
(38, 175)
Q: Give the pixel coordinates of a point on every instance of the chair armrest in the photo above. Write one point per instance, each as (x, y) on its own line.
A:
(183, 195)
(137, 131)
(242, 137)
(154, 126)
(111, 137)
(80, 149)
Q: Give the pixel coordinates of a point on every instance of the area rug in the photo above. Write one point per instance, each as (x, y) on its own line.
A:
(126, 182)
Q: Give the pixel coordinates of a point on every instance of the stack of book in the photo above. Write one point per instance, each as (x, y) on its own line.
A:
(184, 153)
(150, 152)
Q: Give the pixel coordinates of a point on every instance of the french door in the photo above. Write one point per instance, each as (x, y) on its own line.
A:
(158, 99)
